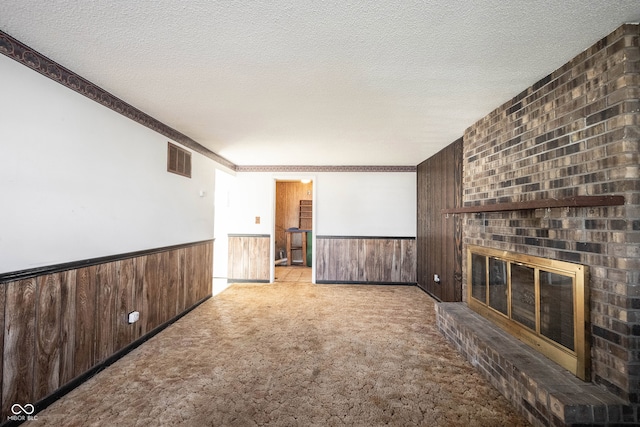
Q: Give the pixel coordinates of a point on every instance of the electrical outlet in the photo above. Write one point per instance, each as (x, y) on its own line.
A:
(436, 278)
(257, 220)
(134, 316)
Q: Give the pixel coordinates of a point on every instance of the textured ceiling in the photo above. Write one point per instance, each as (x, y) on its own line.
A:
(311, 82)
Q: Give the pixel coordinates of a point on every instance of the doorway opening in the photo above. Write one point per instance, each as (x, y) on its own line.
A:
(293, 234)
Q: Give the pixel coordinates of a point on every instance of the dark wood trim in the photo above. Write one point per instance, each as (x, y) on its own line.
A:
(57, 268)
(249, 235)
(367, 237)
(30, 58)
(62, 391)
(229, 280)
(567, 202)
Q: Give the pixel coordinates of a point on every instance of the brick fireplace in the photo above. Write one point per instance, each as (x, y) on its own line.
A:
(573, 134)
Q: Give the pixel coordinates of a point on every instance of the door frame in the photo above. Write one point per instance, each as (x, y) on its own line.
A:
(314, 207)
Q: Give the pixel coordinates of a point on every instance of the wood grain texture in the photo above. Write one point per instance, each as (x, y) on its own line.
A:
(47, 350)
(85, 315)
(439, 237)
(208, 266)
(19, 343)
(139, 267)
(149, 317)
(125, 302)
(181, 301)
(204, 260)
(249, 257)
(106, 276)
(164, 268)
(59, 325)
(67, 325)
(173, 281)
(190, 275)
(373, 260)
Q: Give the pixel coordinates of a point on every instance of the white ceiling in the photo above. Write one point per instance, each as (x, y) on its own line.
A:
(315, 82)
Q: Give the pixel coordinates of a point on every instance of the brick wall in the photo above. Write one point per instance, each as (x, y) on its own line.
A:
(575, 132)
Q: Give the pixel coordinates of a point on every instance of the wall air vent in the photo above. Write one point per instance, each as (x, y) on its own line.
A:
(178, 160)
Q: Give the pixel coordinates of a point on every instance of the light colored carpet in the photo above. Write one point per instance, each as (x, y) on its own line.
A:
(292, 354)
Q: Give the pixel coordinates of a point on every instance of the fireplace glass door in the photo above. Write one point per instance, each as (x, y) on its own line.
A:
(556, 308)
(523, 301)
(543, 302)
(498, 285)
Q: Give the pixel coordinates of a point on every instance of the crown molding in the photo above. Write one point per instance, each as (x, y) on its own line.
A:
(28, 57)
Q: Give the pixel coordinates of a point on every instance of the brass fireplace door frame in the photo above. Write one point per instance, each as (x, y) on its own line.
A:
(575, 360)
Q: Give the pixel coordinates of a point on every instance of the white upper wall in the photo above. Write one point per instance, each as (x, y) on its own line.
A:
(346, 203)
(367, 204)
(80, 181)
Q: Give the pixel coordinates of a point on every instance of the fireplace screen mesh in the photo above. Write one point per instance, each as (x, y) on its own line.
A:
(543, 302)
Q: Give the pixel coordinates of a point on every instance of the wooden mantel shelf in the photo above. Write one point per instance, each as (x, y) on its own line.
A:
(567, 202)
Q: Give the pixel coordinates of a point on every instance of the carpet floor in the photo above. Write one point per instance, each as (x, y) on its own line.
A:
(292, 354)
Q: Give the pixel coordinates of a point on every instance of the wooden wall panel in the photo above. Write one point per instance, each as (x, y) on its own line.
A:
(207, 262)
(365, 260)
(57, 326)
(181, 301)
(47, 351)
(321, 256)
(164, 272)
(249, 257)
(67, 325)
(106, 275)
(190, 276)
(85, 314)
(439, 237)
(173, 281)
(407, 261)
(19, 343)
(125, 301)
(149, 318)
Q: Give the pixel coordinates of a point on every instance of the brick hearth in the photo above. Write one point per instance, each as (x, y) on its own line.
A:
(543, 391)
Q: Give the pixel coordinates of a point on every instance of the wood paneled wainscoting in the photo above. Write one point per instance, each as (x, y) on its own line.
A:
(249, 256)
(358, 259)
(65, 322)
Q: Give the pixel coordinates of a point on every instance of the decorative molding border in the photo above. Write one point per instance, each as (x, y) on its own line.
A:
(301, 168)
(28, 57)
